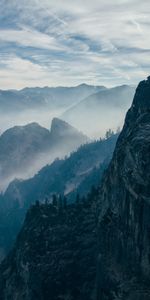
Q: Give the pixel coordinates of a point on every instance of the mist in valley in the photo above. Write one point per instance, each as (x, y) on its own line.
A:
(42, 116)
(92, 115)
(44, 129)
(25, 149)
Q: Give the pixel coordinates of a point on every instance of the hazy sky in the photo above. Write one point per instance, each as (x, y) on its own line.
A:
(67, 42)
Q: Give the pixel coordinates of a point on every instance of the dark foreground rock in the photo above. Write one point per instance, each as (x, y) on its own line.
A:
(54, 256)
(124, 227)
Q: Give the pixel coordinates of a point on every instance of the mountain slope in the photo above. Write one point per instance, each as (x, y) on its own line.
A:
(26, 149)
(57, 177)
(18, 146)
(101, 111)
(82, 169)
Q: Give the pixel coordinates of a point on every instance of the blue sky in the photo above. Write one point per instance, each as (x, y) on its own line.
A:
(67, 42)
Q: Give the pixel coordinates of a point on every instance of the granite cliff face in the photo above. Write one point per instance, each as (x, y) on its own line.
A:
(110, 259)
(124, 227)
(65, 136)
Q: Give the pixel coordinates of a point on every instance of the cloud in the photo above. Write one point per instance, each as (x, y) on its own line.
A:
(68, 42)
(27, 37)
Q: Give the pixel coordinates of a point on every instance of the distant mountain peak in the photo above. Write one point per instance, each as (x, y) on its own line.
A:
(28, 128)
(59, 123)
(85, 85)
(60, 128)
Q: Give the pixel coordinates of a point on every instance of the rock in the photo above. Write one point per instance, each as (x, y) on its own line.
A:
(124, 229)
(54, 256)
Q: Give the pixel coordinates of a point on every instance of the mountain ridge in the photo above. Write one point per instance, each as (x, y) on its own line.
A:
(24, 147)
(107, 108)
(42, 104)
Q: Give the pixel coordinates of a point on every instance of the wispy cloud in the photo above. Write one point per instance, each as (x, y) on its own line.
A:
(28, 37)
(68, 42)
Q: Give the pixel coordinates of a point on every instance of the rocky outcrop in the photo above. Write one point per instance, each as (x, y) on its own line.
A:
(124, 228)
(54, 256)
(65, 136)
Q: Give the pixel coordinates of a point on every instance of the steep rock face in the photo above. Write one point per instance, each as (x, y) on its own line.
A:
(124, 227)
(60, 128)
(66, 136)
(54, 256)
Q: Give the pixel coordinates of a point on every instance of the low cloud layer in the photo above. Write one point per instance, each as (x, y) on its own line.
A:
(69, 42)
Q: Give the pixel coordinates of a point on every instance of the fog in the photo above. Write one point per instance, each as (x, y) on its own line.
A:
(96, 123)
(92, 116)
(35, 148)
(42, 117)
(33, 168)
(100, 112)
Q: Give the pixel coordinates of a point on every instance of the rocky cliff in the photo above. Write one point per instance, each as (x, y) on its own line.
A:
(124, 228)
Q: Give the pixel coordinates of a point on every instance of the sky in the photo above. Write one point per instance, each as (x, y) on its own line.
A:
(68, 42)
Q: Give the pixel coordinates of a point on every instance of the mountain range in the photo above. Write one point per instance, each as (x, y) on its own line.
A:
(40, 105)
(98, 248)
(91, 109)
(24, 150)
(30, 98)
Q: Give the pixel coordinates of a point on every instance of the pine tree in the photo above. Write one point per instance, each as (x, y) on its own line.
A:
(37, 203)
(78, 200)
(54, 200)
(60, 203)
(65, 202)
(109, 133)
